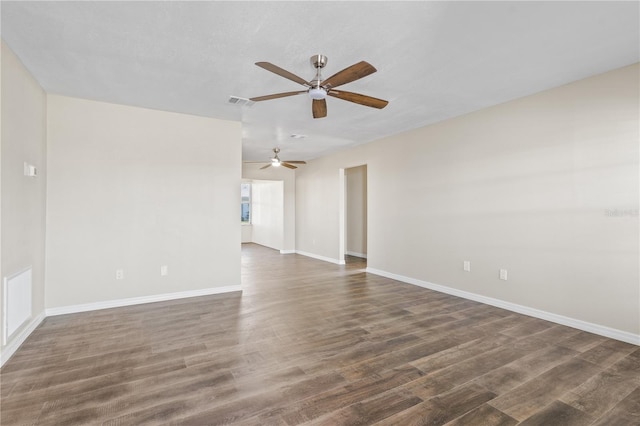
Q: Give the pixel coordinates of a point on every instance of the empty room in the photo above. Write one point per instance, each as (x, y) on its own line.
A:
(320, 212)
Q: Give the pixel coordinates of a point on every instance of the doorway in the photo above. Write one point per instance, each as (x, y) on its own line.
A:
(266, 226)
(354, 237)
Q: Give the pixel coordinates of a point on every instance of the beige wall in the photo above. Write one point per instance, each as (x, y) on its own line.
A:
(23, 198)
(356, 211)
(134, 189)
(317, 205)
(288, 178)
(545, 186)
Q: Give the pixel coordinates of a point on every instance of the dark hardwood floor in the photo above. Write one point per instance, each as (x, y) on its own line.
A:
(312, 342)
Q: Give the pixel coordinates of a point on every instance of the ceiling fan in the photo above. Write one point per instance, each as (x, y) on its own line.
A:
(277, 162)
(318, 89)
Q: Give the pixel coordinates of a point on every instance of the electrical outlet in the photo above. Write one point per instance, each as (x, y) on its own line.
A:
(119, 274)
(164, 270)
(466, 265)
(503, 274)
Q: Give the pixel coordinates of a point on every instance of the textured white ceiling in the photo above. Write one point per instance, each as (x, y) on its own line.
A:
(435, 60)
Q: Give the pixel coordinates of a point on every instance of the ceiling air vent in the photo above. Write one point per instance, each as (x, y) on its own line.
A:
(243, 102)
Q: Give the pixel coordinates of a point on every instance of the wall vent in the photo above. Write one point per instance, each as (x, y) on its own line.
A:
(17, 302)
(243, 102)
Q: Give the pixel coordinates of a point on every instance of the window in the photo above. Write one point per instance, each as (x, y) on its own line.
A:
(245, 203)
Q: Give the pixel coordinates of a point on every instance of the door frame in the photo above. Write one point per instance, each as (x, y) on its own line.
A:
(342, 210)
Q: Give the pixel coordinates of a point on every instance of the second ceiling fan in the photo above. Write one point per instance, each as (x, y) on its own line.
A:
(318, 89)
(277, 162)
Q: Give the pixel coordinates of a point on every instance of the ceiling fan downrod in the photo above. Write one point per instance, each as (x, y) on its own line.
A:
(316, 91)
(275, 161)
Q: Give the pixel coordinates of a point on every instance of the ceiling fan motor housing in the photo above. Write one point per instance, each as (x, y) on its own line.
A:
(318, 61)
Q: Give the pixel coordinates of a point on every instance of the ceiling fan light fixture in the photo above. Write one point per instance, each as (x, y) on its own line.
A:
(275, 162)
(317, 93)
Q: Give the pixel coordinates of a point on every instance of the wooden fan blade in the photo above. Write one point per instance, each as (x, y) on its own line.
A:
(294, 162)
(359, 99)
(349, 74)
(268, 165)
(319, 108)
(277, 95)
(283, 73)
(287, 165)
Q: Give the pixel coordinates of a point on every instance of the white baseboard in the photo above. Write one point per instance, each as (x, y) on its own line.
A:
(525, 310)
(139, 300)
(287, 251)
(323, 258)
(19, 339)
(356, 254)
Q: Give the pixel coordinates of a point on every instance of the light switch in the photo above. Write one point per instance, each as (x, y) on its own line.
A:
(30, 170)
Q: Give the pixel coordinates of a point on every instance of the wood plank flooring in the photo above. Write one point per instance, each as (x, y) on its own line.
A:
(308, 342)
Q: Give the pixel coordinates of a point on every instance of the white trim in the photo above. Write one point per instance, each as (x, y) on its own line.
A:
(559, 319)
(140, 300)
(323, 258)
(287, 251)
(353, 253)
(20, 337)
